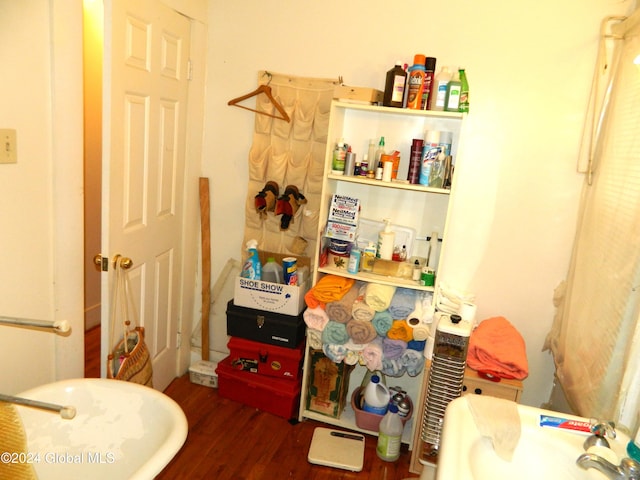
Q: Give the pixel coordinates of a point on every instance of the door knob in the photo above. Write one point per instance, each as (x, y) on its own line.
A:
(103, 263)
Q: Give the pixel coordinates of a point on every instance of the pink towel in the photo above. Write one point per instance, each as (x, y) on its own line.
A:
(497, 348)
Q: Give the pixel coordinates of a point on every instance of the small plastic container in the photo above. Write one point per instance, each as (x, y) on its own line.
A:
(370, 421)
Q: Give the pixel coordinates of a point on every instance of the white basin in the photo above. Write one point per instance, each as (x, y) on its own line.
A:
(121, 430)
(542, 452)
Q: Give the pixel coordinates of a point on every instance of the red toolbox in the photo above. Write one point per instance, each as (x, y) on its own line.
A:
(278, 396)
(265, 359)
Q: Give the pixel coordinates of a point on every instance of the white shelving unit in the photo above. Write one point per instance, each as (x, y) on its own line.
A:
(421, 208)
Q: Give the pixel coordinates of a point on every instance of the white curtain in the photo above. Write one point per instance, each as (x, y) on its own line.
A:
(595, 339)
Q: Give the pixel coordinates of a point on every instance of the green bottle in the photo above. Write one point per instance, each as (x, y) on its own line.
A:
(464, 92)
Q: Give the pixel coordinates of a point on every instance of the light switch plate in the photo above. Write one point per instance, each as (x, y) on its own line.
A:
(8, 146)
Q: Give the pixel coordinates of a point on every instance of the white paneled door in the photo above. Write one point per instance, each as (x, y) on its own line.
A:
(146, 61)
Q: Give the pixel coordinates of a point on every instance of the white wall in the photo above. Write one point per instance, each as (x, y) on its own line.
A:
(529, 64)
(35, 218)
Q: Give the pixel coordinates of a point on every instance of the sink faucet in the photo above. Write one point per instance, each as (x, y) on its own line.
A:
(628, 469)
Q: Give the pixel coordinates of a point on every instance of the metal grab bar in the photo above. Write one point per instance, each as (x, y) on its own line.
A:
(65, 412)
(59, 326)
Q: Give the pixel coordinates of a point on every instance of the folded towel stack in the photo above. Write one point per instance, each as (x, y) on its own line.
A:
(366, 323)
(496, 347)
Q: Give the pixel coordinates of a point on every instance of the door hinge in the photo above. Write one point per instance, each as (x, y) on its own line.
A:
(189, 70)
(178, 340)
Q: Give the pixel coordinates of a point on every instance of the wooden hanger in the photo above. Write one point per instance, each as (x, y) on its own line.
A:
(266, 89)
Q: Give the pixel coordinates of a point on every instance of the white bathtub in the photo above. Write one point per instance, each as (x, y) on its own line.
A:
(121, 430)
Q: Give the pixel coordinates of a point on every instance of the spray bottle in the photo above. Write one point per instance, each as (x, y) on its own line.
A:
(416, 81)
(252, 268)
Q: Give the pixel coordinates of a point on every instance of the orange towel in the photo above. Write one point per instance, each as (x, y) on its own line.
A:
(329, 288)
(400, 330)
(496, 347)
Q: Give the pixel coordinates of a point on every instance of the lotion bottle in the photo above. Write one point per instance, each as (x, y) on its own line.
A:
(386, 240)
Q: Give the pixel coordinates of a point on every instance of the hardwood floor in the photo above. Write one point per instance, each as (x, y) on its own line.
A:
(228, 440)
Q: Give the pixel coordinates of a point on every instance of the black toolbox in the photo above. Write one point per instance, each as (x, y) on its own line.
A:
(266, 327)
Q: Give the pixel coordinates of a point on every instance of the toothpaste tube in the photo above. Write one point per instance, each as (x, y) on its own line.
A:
(565, 424)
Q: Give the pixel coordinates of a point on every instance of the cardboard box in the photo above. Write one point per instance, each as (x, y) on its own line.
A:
(358, 94)
(344, 209)
(204, 373)
(272, 297)
(328, 384)
(341, 231)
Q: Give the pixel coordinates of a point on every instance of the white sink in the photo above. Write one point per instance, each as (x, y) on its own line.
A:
(541, 452)
(120, 430)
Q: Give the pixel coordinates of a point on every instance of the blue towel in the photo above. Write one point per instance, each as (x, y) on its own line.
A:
(402, 303)
(417, 345)
(335, 333)
(413, 361)
(382, 322)
(335, 353)
(393, 367)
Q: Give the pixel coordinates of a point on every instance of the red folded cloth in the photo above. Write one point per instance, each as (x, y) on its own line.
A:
(497, 348)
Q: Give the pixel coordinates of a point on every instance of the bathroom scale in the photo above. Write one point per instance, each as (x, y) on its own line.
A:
(338, 449)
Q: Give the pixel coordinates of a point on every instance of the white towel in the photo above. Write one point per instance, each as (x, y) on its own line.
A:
(497, 419)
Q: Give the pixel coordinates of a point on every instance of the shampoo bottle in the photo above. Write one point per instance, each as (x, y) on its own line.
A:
(386, 240)
(339, 154)
(252, 268)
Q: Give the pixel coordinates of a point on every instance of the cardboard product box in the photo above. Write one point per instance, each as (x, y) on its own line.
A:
(328, 384)
(265, 359)
(278, 396)
(204, 373)
(263, 326)
(273, 297)
(358, 94)
(341, 231)
(344, 209)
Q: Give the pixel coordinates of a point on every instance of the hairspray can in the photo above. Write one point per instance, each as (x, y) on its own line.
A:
(415, 159)
(290, 270)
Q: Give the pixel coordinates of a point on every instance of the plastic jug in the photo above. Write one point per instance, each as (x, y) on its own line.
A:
(376, 396)
(390, 435)
(272, 271)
